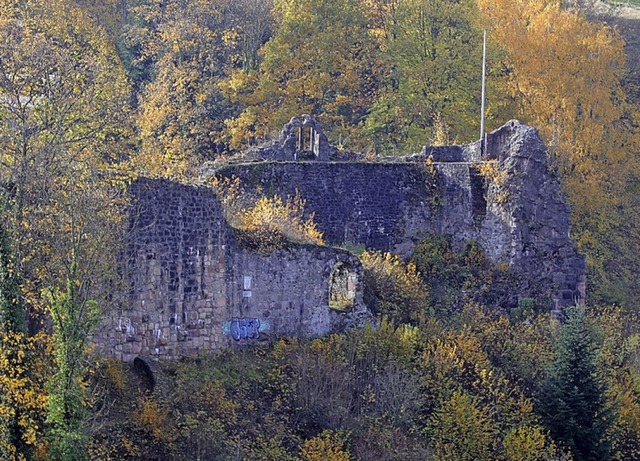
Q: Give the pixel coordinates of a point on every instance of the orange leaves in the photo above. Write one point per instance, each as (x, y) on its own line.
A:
(154, 419)
(564, 73)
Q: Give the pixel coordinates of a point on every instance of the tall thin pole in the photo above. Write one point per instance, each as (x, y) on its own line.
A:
(484, 70)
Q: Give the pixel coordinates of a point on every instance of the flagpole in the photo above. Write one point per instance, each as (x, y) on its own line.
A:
(484, 69)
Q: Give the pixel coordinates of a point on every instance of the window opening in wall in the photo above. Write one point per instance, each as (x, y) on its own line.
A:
(246, 283)
(342, 287)
(306, 141)
(478, 200)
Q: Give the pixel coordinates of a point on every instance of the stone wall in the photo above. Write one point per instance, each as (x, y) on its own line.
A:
(194, 289)
(519, 216)
(373, 204)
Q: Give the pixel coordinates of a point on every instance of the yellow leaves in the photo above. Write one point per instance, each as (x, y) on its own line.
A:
(22, 397)
(315, 63)
(462, 430)
(497, 179)
(526, 443)
(394, 288)
(270, 217)
(236, 83)
(491, 171)
(154, 419)
(565, 71)
(115, 374)
(328, 446)
(265, 222)
(181, 118)
(214, 396)
(230, 36)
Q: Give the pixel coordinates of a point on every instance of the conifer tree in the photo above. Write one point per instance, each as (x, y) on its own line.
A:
(572, 399)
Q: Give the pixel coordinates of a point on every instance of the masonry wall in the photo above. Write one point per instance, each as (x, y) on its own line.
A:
(384, 206)
(519, 216)
(194, 289)
(372, 204)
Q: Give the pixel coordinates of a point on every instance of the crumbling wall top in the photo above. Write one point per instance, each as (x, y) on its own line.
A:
(302, 138)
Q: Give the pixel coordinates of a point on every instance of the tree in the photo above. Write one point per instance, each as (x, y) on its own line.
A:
(22, 401)
(316, 63)
(184, 50)
(462, 430)
(63, 100)
(394, 289)
(12, 315)
(63, 128)
(572, 400)
(254, 28)
(563, 74)
(72, 318)
(432, 84)
(328, 446)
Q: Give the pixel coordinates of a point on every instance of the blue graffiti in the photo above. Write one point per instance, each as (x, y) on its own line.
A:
(244, 329)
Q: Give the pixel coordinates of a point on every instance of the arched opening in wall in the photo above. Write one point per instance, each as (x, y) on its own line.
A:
(305, 145)
(342, 286)
(145, 375)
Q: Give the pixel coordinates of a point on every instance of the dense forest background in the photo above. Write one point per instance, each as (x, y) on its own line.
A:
(95, 93)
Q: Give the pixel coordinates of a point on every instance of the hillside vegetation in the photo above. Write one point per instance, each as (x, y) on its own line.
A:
(94, 93)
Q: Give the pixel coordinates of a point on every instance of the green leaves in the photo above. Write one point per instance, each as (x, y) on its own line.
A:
(572, 400)
(317, 62)
(433, 57)
(67, 406)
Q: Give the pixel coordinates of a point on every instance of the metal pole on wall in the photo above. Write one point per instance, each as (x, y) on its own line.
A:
(484, 69)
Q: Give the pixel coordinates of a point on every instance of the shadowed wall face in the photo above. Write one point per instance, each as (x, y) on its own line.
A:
(515, 209)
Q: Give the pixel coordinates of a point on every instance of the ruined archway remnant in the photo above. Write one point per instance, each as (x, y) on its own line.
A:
(343, 281)
(142, 369)
(302, 138)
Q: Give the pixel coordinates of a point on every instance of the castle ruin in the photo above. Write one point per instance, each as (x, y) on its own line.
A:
(195, 288)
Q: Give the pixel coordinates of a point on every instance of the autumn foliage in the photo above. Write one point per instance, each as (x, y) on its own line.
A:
(265, 223)
(94, 93)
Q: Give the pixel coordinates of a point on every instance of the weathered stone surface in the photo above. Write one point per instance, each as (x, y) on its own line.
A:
(302, 138)
(193, 288)
(520, 219)
(532, 211)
